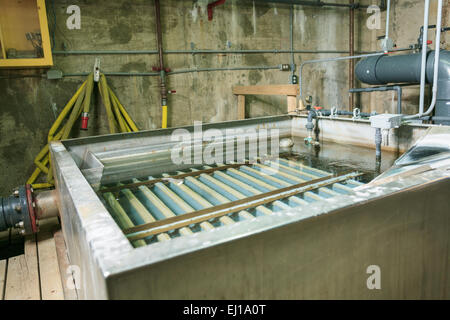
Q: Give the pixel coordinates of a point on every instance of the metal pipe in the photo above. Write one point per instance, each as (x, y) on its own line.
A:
(153, 74)
(331, 60)
(46, 205)
(424, 57)
(424, 62)
(225, 69)
(436, 59)
(386, 88)
(378, 140)
(162, 79)
(207, 51)
(317, 3)
(388, 10)
(159, 34)
(291, 36)
(351, 70)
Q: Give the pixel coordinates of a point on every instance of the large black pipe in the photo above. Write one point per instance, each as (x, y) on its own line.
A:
(406, 68)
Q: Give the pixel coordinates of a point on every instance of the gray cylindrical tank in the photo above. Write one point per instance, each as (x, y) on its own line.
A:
(406, 69)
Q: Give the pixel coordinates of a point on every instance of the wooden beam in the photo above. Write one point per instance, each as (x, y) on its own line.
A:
(280, 90)
(51, 286)
(241, 107)
(2, 43)
(22, 281)
(3, 267)
(291, 104)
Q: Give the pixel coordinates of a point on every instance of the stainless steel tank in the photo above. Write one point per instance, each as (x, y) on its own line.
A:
(137, 225)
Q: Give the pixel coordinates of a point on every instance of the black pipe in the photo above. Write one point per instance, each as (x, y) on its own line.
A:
(386, 88)
(407, 68)
(17, 211)
(319, 3)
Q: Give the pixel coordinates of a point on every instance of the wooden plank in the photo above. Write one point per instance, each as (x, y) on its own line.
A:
(63, 262)
(51, 286)
(22, 281)
(279, 89)
(2, 43)
(241, 107)
(3, 268)
(292, 104)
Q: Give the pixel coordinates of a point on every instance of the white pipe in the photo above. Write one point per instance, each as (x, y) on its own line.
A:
(424, 58)
(436, 59)
(387, 19)
(424, 61)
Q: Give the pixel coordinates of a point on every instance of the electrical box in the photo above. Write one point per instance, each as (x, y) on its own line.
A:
(24, 36)
(386, 121)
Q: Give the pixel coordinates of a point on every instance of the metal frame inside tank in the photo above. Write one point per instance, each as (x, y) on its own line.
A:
(110, 267)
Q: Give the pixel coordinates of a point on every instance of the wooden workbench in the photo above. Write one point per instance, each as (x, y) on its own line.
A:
(40, 273)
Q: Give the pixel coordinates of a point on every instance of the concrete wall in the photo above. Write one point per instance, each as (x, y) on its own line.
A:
(26, 112)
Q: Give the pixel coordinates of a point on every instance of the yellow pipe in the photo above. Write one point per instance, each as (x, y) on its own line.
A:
(75, 112)
(124, 112)
(37, 171)
(64, 112)
(119, 117)
(43, 154)
(42, 185)
(89, 88)
(103, 85)
(41, 166)
(77, 104)
(164, 117)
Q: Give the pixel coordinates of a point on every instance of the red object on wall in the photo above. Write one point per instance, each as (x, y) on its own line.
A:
(84, 121)
(211, 6)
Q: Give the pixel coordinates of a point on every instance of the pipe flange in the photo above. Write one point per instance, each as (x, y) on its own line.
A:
(17, 211)
(31, 206)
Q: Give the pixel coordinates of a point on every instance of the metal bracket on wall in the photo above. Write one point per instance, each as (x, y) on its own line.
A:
(97, 70)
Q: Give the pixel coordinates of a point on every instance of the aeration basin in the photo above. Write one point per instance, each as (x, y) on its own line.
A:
(145, 217)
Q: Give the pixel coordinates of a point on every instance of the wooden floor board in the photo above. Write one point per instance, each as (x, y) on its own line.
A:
(40, 273)
(22, 280)
(3, 269)
(51, 286)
